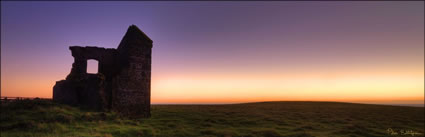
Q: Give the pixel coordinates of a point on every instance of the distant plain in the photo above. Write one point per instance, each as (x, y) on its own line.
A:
(39, 118)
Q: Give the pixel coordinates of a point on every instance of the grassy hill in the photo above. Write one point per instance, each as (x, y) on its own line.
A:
(28, 118)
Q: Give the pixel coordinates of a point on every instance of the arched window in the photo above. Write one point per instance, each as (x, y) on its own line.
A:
(92, 66)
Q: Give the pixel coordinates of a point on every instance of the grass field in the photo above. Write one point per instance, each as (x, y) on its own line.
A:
(29, 118)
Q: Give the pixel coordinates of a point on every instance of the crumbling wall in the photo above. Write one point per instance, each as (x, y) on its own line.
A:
(88, 90)
(123, 80)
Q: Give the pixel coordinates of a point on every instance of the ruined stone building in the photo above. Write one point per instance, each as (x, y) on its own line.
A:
(122, 83)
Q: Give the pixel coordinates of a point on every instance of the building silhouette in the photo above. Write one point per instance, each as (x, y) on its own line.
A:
(123, 81)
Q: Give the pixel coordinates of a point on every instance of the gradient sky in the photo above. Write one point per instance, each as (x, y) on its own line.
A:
(228, 52)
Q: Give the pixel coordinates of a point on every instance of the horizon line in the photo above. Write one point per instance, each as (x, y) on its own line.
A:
(387, 103)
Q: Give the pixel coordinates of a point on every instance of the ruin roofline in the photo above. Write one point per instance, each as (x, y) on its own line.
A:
(90, 47)
(135, 28)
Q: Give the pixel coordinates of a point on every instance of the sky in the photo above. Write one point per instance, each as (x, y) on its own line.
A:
(228, 52)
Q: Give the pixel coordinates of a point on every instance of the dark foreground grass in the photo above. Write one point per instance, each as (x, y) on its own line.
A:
(29, 118)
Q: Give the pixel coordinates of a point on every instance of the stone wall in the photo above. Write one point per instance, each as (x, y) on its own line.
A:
(123, 80)
(131, 86)
(87, 91)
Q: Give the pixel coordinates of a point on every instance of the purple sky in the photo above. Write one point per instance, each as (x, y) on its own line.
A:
(205, 39)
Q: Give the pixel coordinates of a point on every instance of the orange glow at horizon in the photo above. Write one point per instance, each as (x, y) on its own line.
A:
(342, 84)
(228, 88)
(216, 89)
